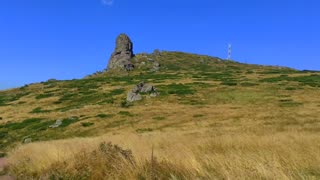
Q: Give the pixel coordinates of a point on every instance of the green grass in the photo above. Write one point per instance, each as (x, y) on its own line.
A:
(46, 95)
(125, 113)
(39, 110)
(311, 80)
(177, 89)
(68, 121)
(102, 116)
(21, 125)
(5, 98)
(289, 103)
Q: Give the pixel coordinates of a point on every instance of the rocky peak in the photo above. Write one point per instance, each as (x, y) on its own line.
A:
(121, 57)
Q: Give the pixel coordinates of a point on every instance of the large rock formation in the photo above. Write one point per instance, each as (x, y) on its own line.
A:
(121, 57)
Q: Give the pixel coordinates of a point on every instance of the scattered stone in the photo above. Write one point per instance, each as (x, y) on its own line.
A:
(56, 124)
(27, 140)
(147, 88)
(129, 67)
(121, 57)
(142, 87)
(155, 67)
(131, 97)
(156, 52)
(154, 94)
(150, 59)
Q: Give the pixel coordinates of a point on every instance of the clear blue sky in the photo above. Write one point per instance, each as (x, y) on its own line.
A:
(65, 39)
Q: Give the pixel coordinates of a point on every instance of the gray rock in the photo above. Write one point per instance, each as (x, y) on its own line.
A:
(131, 97)
(56, 124)
(147, 88)
(142, 87)
(154, 94)
(156, 52)
(129, 67)
(27, 140)
(156, 66)
(121, 57)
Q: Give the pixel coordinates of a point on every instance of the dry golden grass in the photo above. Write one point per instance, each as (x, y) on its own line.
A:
(286, 155)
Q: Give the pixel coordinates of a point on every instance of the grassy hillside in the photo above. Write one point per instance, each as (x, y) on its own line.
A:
(214, 119)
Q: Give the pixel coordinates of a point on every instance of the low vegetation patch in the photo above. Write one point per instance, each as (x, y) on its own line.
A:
(68, 121)
(177, 89)
(39, 110)
(87, 124)
(125, 113)
(159, 118)
(105, 115)
(311, 80)
(46, 95)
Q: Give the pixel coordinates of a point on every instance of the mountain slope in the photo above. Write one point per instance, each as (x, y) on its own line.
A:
(222, 110)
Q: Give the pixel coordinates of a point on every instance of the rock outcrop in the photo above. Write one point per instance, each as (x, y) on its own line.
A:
(142, 87)
(121, 57)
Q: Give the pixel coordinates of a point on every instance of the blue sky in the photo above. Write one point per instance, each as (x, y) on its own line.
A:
(66, 39)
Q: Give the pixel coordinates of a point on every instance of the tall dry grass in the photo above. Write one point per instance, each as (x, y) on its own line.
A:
(285, 155)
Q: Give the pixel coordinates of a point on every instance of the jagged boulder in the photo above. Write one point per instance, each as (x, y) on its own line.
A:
(121, 57)
(131, 97)
(56, 124)
(142, 87)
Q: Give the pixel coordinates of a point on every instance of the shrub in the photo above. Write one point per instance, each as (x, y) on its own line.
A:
(105, 115)
(87, 124)
(159, 118)
(125, 113)
(198, 115)
(42, 96)
(39, 110)
(229, 83)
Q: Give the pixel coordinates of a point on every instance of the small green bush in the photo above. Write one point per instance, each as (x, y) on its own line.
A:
(229, 83)
(87, 124)
(198, 115)
(105, 115)
(39, 110)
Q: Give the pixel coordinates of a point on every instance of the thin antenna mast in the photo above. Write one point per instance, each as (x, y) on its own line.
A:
(229, 51)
